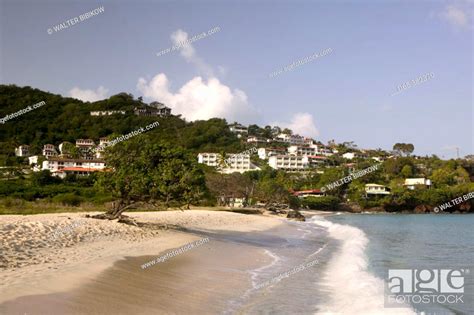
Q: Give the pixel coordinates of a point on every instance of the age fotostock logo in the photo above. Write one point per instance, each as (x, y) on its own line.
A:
(425, 286)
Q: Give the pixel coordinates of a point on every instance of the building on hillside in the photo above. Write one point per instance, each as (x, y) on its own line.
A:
(308, 141)
(253, 139)
(107, 112)
(49, 150)
(239, 163)
(412, 183)
(308, 193)
(210, 159)
(234, 162)
(322, 150)
(61, 167)
(265, 153)
(238, 129)
(22, 150)
(291, 163)
(291, 139)
(85, 143)
(317, 160)
(163, 110)
(301, 150)
(375, 189)
(155, 109)
(353, 155)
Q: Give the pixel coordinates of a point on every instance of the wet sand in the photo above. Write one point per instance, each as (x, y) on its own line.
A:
(201, 280)
(105, 276)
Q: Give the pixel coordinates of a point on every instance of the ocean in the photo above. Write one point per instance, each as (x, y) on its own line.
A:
(339, 264)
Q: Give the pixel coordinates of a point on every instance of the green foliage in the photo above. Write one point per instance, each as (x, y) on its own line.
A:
(321, 203)
(148, 171)
(69, 199)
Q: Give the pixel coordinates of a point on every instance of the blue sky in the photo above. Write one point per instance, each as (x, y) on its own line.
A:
(345, 95)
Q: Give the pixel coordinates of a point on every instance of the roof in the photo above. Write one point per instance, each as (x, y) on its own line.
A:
(415, 181)
(81, 169)
(308, 191)
(75, 160)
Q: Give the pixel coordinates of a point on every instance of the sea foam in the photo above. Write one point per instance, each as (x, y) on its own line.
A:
(351, 287)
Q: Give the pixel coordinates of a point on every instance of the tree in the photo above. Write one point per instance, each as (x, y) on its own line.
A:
(403, 148)
(407, 171)
(143, 171)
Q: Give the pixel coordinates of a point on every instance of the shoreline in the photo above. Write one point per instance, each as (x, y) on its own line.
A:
(31, 260)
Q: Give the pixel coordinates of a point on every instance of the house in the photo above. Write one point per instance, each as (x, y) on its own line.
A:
(253, 139)
(301, 150)
(233, 162)
(412, 183)
(265, 153)
(155, 109)
(309, 141)
(85, 143)
(163, 110)
(22, 150)
(317, 160)
(107, 112)
(238, 163)
(375, 189)
(292, 163)
(308, 193)
(353, 155)
(238, 129)
(49, 150)
(210, 159)
(291, 139)
(322, 150)
(60, 167)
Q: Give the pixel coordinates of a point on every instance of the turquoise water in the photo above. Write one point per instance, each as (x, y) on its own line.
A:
(418, 242)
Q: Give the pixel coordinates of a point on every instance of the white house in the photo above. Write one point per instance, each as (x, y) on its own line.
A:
(61, 167)
(301, 150)
(210, 159)
(264, 153)
(291, 139)
(353, 155)
(290, 163)
(238, 128)
(253, 139)
(107, 112)
(411, 183)
(233, 162)
(22, 150)
(308, 193)
(375, 189)
(49, 150)
(238, 163)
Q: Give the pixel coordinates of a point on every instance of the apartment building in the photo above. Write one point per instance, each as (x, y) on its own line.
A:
(210, 159)
(291, 163)
(49, 150)
(22, 150)
(107, 112)
(302, 150)
(61, 167)
(265, 153)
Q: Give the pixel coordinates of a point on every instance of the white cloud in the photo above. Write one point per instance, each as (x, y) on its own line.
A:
(89, 95)
(302, 124)
(189, 53)
(200, 99)
(459, 15)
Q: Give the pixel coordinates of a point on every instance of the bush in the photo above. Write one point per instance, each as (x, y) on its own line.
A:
(321, 203)
(69, 199)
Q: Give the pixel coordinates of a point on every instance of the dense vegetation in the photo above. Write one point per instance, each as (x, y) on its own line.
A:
(160, 167)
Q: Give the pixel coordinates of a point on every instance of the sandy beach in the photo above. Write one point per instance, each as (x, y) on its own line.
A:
(55, 263)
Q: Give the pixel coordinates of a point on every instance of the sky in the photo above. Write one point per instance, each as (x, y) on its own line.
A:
(349, 59)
